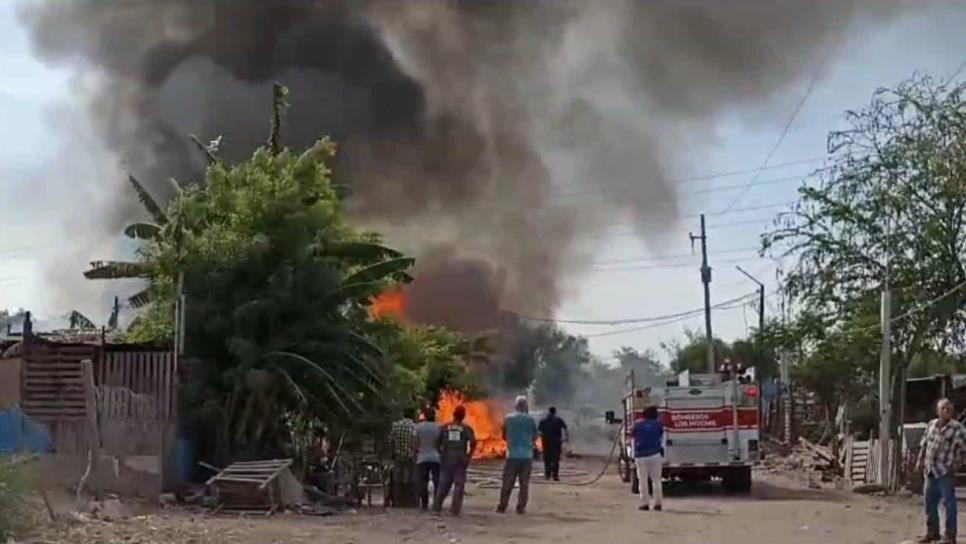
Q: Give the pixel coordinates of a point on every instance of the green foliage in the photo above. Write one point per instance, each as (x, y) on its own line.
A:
(560, 370)
(277, 288)
(425, 361)
(277, 310)
(647, 368)
(692, 354)
(14, 516)
(890, 204)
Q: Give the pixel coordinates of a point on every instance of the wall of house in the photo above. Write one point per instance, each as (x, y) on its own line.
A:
(10, 382)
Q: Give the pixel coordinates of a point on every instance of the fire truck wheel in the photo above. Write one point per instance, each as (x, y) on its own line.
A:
(737, 480)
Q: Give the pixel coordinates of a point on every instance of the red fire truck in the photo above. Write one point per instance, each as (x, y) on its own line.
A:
(711, 426)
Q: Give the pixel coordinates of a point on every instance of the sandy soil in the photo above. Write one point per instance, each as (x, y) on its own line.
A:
(780, 509)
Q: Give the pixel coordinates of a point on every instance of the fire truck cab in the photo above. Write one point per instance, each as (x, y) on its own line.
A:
(711, 427)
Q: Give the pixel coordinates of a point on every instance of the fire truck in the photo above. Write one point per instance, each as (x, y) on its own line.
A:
(711, 426)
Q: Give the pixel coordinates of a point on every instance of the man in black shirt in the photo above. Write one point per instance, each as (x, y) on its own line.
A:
(553, 433)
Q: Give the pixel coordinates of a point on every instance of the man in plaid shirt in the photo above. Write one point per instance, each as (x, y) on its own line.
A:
(402, 443)
(941, 452)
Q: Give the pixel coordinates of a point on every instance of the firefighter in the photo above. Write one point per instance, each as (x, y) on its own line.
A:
(553, 433)
(648, 433)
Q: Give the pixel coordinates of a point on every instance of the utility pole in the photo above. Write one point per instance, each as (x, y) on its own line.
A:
(761, 332)
(885, 388)
(761, 307)
(706, 280)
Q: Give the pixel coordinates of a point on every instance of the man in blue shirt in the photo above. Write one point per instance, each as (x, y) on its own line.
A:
(520, 433)
(648, 433)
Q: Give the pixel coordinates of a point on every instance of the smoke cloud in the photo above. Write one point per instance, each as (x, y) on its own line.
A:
(462, 124)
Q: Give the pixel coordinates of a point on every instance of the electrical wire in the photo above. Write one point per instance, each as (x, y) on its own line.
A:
(674, 265)
(730, 305)
(784, 133)
(677, 256)
(630, 320)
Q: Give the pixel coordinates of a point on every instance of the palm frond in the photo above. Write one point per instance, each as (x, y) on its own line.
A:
(279, 107)
(140, 299)
(389, 269)
(292, 384)
(148, 202)
(113, 270)
(358, 251)
(331, 383)
(78, 320)
(142, 231)
(210, 151)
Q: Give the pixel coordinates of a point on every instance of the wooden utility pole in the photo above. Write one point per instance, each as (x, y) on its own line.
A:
(706, 280)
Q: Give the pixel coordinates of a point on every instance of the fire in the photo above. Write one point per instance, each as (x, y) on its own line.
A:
(389, 303)
(483, 416)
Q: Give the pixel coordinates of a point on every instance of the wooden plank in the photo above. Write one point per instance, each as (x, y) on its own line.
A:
(166, 382)
(91, 408)
(238, 479)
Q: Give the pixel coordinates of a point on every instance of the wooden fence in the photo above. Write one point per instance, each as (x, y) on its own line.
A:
(53, 382)
(152, 373)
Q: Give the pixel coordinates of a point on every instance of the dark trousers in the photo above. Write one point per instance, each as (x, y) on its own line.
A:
(425, 472)
(402, 484)
(516, 470)
(551, 460)
(452, 474)
(940, 489)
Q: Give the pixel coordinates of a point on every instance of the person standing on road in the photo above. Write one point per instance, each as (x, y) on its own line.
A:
(941, 451)
(456, 442)
(520, 433)
(402, 436)
(553, 433)
(648, 433)
(427, 456)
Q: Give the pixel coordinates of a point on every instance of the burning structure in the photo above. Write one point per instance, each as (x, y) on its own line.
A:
(484, 416)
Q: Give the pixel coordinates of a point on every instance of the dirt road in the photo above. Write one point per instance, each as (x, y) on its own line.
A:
(778, 510)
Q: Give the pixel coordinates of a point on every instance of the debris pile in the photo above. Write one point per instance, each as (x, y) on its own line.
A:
(805, 460)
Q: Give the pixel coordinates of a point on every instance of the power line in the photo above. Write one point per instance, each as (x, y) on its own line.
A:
(760, 221)
(613, 322)
(727, 305)
(784, 134)
(676, 256)
(706, 177)
(748, 208)
(673, 265)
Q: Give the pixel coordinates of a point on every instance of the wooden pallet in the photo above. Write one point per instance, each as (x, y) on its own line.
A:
(250, 485)
(859, 462)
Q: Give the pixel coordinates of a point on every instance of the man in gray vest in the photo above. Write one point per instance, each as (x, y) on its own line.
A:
(457, 442)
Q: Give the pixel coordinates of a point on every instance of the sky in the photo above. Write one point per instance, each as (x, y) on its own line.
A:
(630, 279)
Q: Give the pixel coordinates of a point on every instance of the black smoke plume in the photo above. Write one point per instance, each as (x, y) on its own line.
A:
(459, 121)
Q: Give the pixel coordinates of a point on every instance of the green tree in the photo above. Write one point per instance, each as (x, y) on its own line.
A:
(692, 355)
(889, 207)
(561, 368)
(647, 368)
(278, 287)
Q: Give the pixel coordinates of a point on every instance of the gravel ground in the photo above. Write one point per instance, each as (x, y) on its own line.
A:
(780, 509)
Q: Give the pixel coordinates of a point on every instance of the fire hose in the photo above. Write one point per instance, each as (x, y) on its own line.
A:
(595, 479)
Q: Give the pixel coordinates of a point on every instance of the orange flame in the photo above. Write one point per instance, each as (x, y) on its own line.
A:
(483, 416)
(390, 303)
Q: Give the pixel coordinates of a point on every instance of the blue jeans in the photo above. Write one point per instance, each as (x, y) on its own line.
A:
(940, 488)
